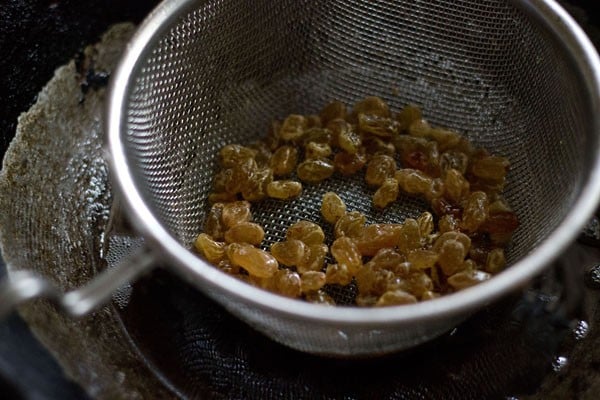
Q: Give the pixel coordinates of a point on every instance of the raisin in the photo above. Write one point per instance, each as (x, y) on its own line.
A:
(316, 170)
(379, 169)
(332, 207)
(349, 141)
(232, 155)
(338, 274)
(465, 279)
(290, 252)
(410, 236)
(408, 115)
(378, 126)
(306, 231)
(315, 259)
(284, 161)
(395, 297)
(475, 212)
(287, 283)
(386, 194)
(425, 222)
(451, 256)
(349, 164)
(345, 252)
(413, 181)
(235, 212)
(455, 185)
(257, 262)
(319, 297)
(350, 224)
(374, 145)
(495, 261)
(335, 109)
(212, 250)
(293, 127)
(256, 186)
(213, 225)
(245, 232)
(315, 150)
(371, 105)
(423, 259)
(490, 167)
(284, 190)
(312, 281)
(372, 238)
(500, 222)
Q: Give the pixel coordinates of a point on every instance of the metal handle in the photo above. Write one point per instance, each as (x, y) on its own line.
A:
(22, 286)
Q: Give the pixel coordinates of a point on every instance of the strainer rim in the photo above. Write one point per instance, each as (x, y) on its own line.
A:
(197, 270)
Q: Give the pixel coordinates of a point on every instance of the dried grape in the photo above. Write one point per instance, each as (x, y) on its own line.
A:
(332, 207)
(284, 190)
(391, 263)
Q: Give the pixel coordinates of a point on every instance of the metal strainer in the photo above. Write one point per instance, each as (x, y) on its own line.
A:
(516, 77)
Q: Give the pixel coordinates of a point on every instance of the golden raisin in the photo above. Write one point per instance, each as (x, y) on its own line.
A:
(245, 232)
(290, 252)
(379, 169)
(475, 211)
(451, 256)
(410, 236)
(386, 194)
(293, 127)
(332, 207)
(314, 150)
(455, 185)
(349, 141)
(306, 231)
(338, 274)
(315, 170)
(395, 297)
(408, 115)
(465, 279)
(312, 281)
(233, 155)
(284, 160)
(212, 250)
(423, 259)
(378, 126)
(213, 225)
(284, 190)
(495, 261)
(374, 237)
(345, 252)
(319, 297)
(256, 186)
(287, 283)
(315, 259)
(236, 212)
(371, 105)
(350, 224)
(425, 222)
(257, 262)
(335, 109)
(491, 167)
(413, 181)
(349, 164)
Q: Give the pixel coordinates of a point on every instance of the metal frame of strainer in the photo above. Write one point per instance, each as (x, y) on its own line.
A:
(278, 317)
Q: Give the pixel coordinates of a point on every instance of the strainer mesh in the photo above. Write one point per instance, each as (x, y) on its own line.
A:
(226, 70)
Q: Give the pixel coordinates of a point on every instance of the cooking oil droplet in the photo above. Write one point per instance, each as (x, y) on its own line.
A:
(592, 277)
(559, 363)
(581, 330)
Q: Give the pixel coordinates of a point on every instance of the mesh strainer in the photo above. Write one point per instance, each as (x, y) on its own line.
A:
(517, 77)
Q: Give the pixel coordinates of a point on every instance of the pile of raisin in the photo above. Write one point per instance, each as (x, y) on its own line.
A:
(458, 244)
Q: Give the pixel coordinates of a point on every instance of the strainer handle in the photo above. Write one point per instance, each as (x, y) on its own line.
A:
(22, 286)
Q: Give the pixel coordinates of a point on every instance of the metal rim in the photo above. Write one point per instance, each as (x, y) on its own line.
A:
(203, 274)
